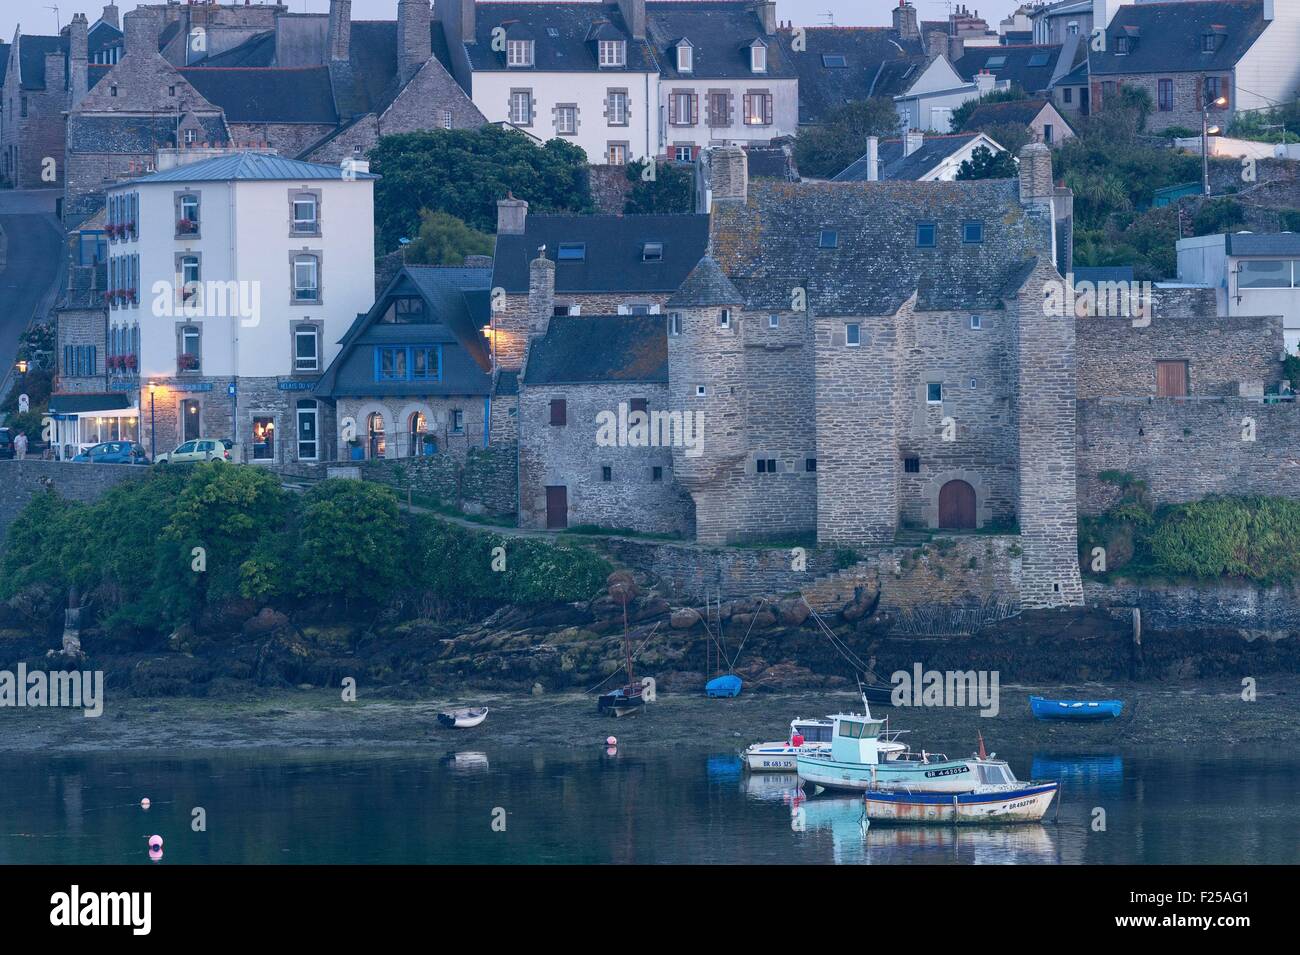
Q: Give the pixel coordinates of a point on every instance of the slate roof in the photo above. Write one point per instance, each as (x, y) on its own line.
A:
(248, 167)
(101, 37)
(256, 51)
(454, 297)
(773, 161)
(769, 244)
(86, 285)
(896, 77)
(604, 348)
(133, 134)
(31, 58)
(614, 249)
(1255, 243)
(1029, 67)
(720, 32)
(570, 50)
(1168, 36)
(894, 165)
(823, 88)
(4, 61)
(1022, 112)
(279, 95)
(707, 286)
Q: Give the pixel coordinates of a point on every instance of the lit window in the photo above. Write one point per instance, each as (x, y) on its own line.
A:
(617, 154)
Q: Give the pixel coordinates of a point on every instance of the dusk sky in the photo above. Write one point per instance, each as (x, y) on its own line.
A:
(37, 17)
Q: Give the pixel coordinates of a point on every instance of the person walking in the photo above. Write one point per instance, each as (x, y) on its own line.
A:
(20, 446)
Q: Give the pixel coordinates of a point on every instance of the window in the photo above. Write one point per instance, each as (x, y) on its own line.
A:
(264, 439)
(306, 278)
(426, 363)
(974, 384)
(758, 109)
(684, 152)
(375, 443)
(674, 323)
(571, 252)
(976, 323)
(1121, 45)
(911, 465)
(191, 137)
(616, 108)
(306, 350)
(521, 107)
(408, 363)
(457, 421)
(447, 119)
(606, 473)
(189, 273)
(719, 109)
(682, 108)
(171, 91)
(724, 318)
(926, 235)
(1039, 59)
(701, 391)
(305, 215)
(834, 60)
(559, 412)
(853, 334)
(1164, 95)
(307, 421)
(190, 356)
(390, 364)
(1067, 94)
(1047, 133)
(758, 58)
(1209, 42)
(652, 252)
(613, 52)
(616, 154)
(187, 215)
(1214, 89)
(1263, 273)
(765, 465)
(934, 393)
(566, 120)
(774, 321)
(810, 465)
(995, 62)
(519, 53)
(656, 474)
(830, 239)
(972, 233)
(685, 58)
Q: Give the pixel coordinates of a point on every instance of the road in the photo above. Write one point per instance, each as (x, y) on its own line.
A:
(31, 267)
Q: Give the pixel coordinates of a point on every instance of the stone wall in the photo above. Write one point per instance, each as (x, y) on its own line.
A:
(609, 188)
(694, 573)
(23, 480)
(1185, 450)
(481, 481)
(1270, 612)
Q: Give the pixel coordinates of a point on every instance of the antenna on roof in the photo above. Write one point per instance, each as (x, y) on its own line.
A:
(829, 17)
(57, 26)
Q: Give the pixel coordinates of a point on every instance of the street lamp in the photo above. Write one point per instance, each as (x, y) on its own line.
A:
(22, 366)
(153, 431)
(1219, 102)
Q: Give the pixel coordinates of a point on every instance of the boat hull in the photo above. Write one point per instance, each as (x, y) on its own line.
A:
(1028, 803)
(462, 721)
(1076, 710)
(778, 757)
(949, 776)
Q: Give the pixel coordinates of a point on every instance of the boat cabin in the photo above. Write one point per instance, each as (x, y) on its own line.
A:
(812, 731)
(857, 739)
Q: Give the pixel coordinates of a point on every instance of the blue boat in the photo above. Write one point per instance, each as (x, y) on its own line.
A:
(1045, 709)
(728, 685)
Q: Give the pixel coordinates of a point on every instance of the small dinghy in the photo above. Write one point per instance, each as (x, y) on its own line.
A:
(1045, 709)
(722, 686)
(1021, 802)
(463, 718)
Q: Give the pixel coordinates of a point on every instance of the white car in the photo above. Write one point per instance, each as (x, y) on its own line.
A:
(201, 449)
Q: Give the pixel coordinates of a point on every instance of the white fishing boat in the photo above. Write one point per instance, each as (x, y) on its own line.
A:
(463, 718)
(994, 803)
(779, 757)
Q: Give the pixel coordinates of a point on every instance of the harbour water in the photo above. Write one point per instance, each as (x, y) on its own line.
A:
(658, 805)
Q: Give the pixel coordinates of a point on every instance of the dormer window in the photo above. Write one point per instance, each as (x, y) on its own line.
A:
(613, 53)
(519, 53)
(1209, 42)
(758, 57)
(685, 57)
(1121, 46)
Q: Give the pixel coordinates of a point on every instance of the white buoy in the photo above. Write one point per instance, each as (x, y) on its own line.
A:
(144, 803)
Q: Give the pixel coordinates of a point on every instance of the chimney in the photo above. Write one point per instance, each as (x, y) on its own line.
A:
(414, 44)
(1269, 12)
(912, 141)
(1103, 11)
(905, 21)
(1036, 187)
(634, 16)
(338, 41)
(985, 83)
(873, 159)
(140, 32)
(766, 11)
(541, 295)
(110, 16)
(458, 19)
(512, 215)
(936, 43)
(956, 48)
(78, 58)
(729, 173)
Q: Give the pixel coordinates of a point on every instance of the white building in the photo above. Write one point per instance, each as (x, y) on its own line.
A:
(1253, 275)
(231, 280)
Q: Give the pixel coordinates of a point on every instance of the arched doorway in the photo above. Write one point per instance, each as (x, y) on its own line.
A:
(957, 506)
(421, 442)
(375, 435)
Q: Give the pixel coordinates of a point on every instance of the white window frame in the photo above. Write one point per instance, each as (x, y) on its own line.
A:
(314, 412)
(519, 52)
(314, 262)
(522, 98)
(674, 323)
(758, 58)
(724, 318)
(299, 333)
(851, 331)
(685, 58)
(306, 225)
(612, 53)
(928, 399)
(567, 112)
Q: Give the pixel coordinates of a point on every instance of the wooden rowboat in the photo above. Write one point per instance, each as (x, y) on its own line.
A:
(463, 718)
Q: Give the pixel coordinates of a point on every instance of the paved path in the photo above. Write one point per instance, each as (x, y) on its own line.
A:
(31, 267)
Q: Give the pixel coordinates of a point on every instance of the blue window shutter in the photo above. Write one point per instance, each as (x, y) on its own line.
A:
(376, 364)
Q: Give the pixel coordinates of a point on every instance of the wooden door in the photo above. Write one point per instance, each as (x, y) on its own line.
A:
(957, 506)
(557, 508)
(1171, 379)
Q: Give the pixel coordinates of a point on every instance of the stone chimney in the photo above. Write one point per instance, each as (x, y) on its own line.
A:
(956, 48)
(541, 295)
(140, 32)
(338, 41)
(729, 173)
(766, 11)
(512, 215)
(110, 16)
(1036, 186)
(873, 159)
(905, 21)
(458, 18)
(985, 82)
(912, 141)
(634, 16)
(414, 44)
(936, 43)
(78, 57)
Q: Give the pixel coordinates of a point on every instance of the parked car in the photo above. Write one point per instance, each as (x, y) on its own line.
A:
(6, 443)
(201, 449)
(114, 452)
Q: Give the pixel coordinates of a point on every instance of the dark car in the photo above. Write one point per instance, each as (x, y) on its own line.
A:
(6, 443)
(114, 452)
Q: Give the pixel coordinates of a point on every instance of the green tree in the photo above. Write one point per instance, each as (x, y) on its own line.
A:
(985, 164)
(1218, 215)
(446, 240)
(350, 544)
(671, 189)
(826, 150)
(463, 172)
